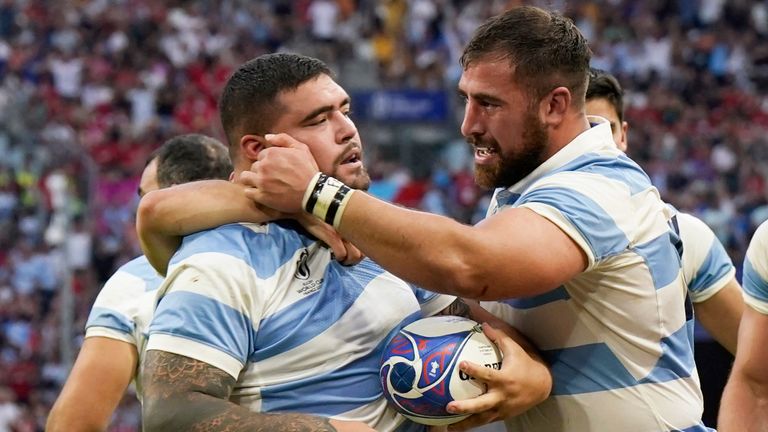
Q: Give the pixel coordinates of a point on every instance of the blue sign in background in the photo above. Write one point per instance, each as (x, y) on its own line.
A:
(400, 105)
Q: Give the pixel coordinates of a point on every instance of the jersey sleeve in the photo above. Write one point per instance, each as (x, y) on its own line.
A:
(114, 309)
(755, 278)
(205, 310)
(602, 216)
(706, 264)
(431, 303)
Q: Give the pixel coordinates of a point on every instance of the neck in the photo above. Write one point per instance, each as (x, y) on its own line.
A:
(561, 135)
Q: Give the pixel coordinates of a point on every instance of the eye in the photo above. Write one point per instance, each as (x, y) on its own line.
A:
(318, 121)
(486, 104)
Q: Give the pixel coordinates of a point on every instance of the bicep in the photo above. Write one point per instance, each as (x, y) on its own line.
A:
(529, 252)
(99, 377)
(165, 374)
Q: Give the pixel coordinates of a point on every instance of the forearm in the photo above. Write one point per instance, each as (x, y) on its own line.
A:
(422, 248)
(202, 412)
(165, 216)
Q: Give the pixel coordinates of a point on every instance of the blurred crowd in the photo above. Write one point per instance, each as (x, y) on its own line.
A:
(88, 88)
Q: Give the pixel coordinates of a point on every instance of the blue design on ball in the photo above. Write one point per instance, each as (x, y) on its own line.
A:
(402, 377)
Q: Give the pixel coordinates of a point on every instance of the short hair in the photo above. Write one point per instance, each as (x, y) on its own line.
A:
(247, 103)
(544, 48)
(603, 85)
(191, 157)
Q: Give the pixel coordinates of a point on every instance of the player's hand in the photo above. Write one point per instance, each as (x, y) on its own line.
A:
(344, 251)
(350, 426)
(522, 382)
(281, 174)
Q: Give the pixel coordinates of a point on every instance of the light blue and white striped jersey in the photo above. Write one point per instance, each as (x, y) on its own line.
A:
(706, 265)
(755, 277)
(123, 308)
(300, 332)
(618, 336)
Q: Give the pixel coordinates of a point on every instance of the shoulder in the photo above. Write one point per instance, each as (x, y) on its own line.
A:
(760, 238)
(262, 247)
(691, 226)
(136, 274)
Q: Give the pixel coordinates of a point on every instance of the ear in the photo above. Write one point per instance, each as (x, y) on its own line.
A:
(251, 145)
(554, 106)
(624, 136)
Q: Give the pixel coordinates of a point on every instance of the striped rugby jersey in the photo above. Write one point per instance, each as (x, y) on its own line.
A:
(755, 278)
(123, 308)
(299, 331)
(618, 336)
(707, 268)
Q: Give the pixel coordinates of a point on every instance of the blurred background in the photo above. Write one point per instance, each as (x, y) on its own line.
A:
(88, 88)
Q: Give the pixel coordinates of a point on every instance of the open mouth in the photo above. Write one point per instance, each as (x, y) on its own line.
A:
(484, 151)
(485, 155)
(353, 157)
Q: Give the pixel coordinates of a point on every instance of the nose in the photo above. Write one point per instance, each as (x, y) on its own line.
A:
(346, 128)
(471, 124)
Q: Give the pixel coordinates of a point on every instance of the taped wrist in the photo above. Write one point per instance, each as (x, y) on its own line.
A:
(326, 198)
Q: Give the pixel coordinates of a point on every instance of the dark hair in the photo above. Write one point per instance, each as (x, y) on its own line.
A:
(247, 103)
(603, 85)
(544, 48)
(191, 157)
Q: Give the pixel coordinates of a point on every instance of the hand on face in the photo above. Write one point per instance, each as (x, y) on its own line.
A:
(518, 386)
(281, 174)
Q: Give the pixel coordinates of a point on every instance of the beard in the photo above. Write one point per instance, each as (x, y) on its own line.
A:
(514, 165)
(362, 181)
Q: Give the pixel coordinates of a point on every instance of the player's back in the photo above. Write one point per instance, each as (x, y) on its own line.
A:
(300, 332)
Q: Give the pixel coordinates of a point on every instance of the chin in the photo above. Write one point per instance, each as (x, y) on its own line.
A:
(360, 180)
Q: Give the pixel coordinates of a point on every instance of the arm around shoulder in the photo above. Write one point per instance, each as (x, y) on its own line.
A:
(510, 254)
(164, 216)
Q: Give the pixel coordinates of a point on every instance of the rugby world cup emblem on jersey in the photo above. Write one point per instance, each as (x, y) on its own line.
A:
(302, 267)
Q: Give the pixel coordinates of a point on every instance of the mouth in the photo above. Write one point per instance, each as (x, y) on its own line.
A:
(352, 157)
(485, 154)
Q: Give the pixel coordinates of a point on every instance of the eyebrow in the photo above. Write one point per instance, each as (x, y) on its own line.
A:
(323, 109)
(482, 96)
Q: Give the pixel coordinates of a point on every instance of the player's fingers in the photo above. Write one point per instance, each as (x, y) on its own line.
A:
(478, 404)
(283, 140)
(479, 372)
(474, 421)
(354, 255)
(247, 178)
(506, 344)
(253, 194)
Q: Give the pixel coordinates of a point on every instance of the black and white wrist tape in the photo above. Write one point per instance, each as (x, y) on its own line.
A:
(326, 198)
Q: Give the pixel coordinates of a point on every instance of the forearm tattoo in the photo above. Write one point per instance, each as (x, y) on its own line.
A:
(181, 393)
(457, 308)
